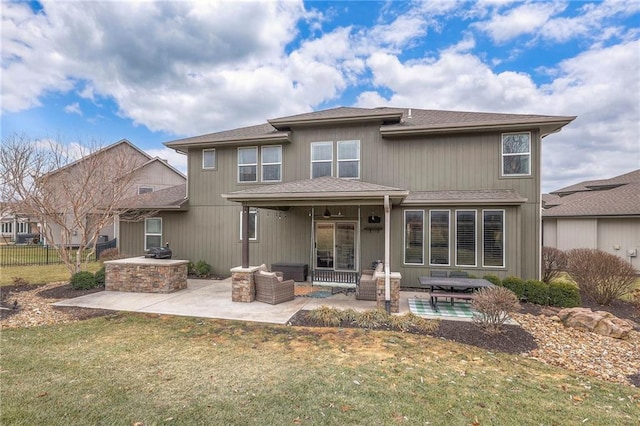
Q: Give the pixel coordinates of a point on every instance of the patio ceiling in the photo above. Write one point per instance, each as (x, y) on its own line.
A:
(325, 190)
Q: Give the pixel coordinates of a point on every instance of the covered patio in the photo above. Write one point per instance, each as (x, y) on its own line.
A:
(210, 299)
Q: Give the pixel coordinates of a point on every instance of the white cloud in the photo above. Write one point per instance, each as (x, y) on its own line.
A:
(73, 108)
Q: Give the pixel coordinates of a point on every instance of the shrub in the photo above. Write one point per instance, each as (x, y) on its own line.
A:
(373, 318)
(635, 297)
(602, 276)
(536, 292)
(100, 276)
(494, 279)
(324, 315)
(201, 269)
(409, 321)
(19, 281)
(110, 254)
(493, 305)
(83, 280)
(516, 285)
(564, 294)
(554, 262)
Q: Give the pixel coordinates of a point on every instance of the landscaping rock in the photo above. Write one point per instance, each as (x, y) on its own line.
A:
(600, 322)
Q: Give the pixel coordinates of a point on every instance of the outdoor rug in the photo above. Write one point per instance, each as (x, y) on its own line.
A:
(422, 307)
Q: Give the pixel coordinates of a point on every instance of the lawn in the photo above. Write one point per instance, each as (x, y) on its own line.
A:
(154, 369)
(32, 254)
(39, 274)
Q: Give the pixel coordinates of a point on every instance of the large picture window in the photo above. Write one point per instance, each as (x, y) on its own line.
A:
(465, 237)
(439, 237)
(349, 159)
(414, 237)
(271, 163)
(253, 225)
(493, 238)
(248, 164)
(516, 154)
(152, 232)
(209, 159)
(321, 159)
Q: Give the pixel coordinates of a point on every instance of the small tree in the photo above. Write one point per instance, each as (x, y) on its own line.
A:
(554, 262)
(73, 190)
(602, 276)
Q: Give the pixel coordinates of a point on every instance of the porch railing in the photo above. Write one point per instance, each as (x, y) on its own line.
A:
(340, 277)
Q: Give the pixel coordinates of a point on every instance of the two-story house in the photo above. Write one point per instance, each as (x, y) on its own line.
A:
(340, 188)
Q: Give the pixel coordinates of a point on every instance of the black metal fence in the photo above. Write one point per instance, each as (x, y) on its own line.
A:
(36, 254)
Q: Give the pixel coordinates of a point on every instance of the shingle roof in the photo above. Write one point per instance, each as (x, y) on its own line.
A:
(606, 197)
(483, 196)
(393, 121)
(168, 198)
(319, 188)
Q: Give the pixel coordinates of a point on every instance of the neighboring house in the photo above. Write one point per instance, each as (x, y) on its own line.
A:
(598, 214)
(14, 225)
(454, 190)
(149, 175)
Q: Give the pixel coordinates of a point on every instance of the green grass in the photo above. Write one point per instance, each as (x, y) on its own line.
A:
(39, 274)
(156, 369)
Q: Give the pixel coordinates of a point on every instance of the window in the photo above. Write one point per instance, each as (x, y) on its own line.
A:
(152, 232)
(253, 225)
(248, 164)
(439, 237)
(349, 159)
(271, 163)
(144, 190)
(321, 159)
(465, 237)
(414, 237)
(23, 228)
(493, 238)
(209, 159)
(516, 154)
(7, 227)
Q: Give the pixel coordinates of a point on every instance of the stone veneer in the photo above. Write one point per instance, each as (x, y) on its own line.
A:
(394, 284)
(142, 275)
(243, 288)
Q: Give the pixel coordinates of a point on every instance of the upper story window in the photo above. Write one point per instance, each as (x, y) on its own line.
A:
(271, 163)
(144, 190)
(209, 159)
(349, 159)
(321, 159)
(248, 164)
(516, 154)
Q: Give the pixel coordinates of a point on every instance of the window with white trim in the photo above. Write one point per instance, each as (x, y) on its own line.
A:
(493, 238)
(414, 237)
(349, 159)
(253, 224)
(23, 227)
(321, 159)
(152, 232)
(271, 162)
(209, 159)
(144, 190)
(439, 237)
(516, 154)
(248, 164)
(7, 227)
(466, 238)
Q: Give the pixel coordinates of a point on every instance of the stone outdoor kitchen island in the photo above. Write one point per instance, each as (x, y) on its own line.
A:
(144, 275)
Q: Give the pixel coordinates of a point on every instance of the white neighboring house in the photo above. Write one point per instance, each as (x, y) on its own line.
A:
(150, 175)
(14, 227)
(597, 214)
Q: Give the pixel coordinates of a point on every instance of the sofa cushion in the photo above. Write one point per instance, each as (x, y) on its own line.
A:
(379, 267)
(263, 268)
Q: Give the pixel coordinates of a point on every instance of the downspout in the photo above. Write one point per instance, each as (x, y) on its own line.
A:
(387, 234)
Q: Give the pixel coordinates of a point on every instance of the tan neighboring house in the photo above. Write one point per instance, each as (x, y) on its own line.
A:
(338, 189)
(149, 175)
(597, 214)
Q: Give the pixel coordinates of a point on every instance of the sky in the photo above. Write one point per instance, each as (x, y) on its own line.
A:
(155, 71)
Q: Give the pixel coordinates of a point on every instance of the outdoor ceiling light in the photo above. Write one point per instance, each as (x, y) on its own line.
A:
(327, 213)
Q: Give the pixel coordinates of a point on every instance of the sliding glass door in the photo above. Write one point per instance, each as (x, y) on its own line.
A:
(336, 246)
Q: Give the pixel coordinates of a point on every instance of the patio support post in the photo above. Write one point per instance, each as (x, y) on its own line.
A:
(387, 235)
(245, 236)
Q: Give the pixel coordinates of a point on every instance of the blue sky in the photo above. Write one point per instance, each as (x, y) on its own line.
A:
(156, 71)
